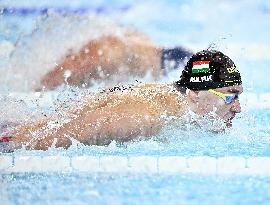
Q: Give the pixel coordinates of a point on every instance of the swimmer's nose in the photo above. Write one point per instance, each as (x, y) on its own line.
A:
(236, 106)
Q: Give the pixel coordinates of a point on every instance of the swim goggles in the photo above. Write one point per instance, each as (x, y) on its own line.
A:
(227, 97)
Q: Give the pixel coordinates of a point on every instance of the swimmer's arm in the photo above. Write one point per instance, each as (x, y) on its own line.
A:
(106, 55)
(123, 119)
(37, 136)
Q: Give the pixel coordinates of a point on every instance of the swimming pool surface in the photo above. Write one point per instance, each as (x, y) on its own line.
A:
(80, 188)
(181, 165)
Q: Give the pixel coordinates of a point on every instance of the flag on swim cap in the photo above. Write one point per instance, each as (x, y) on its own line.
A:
(209, 69)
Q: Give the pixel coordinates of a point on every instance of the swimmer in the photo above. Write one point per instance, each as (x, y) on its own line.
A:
(114, 59)
(210, 82)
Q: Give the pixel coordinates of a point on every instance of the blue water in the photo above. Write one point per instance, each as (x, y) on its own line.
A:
(54, 189)
(240, 29)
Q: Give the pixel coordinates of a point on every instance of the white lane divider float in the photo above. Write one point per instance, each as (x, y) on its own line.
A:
(205, 165)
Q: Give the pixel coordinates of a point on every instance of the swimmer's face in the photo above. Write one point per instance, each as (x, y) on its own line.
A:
(204, 102)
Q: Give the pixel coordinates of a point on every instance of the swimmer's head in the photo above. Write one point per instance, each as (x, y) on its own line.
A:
(213, 84)
(209, 69)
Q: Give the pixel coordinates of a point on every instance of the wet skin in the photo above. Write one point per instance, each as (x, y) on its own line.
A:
(123, 115)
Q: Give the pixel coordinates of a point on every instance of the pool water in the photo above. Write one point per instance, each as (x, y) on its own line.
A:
(81, 188)
(30, 43)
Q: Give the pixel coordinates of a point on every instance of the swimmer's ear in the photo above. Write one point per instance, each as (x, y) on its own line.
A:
(193, 95)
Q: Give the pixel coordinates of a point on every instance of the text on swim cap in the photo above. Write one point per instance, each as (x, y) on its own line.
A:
(201, 79)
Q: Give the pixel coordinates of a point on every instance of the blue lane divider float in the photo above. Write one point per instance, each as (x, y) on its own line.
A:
(62, 10)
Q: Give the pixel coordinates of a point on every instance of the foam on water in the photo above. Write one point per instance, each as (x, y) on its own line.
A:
(248, 137)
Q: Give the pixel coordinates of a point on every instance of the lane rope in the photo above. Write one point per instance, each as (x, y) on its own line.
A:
(230, 165)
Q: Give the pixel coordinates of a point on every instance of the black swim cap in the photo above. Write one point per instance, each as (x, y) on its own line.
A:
(209, 69)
